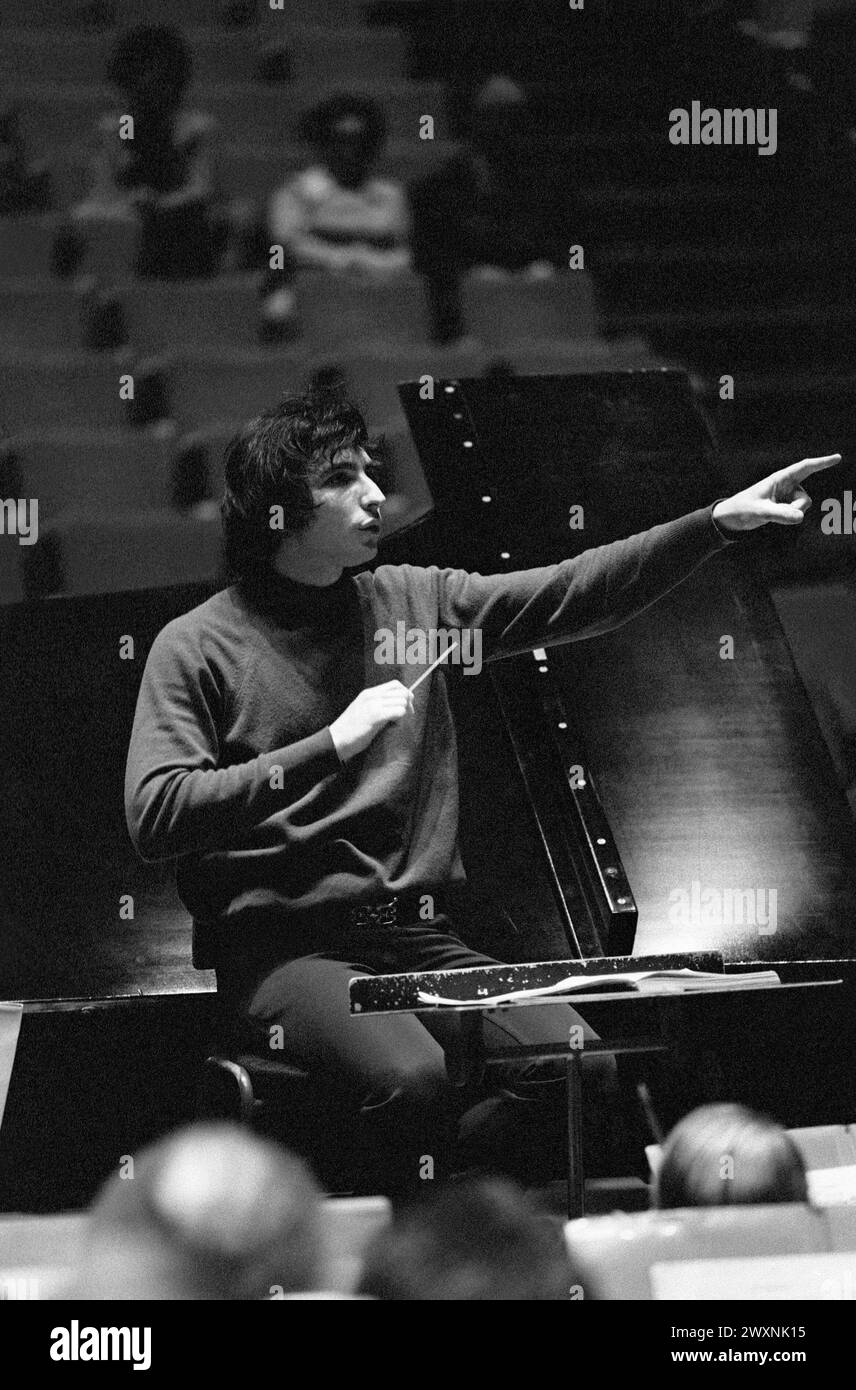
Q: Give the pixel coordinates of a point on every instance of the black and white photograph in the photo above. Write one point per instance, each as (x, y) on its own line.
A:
(428, 668)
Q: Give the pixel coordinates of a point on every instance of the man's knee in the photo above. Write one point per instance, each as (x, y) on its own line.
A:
(418, 1085)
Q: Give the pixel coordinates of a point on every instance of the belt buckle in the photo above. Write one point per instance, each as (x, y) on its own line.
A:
(375, 914)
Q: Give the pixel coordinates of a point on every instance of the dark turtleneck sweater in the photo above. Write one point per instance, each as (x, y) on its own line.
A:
(251, 680)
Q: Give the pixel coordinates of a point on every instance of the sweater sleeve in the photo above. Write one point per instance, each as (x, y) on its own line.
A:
(178, 800)
(585, 596)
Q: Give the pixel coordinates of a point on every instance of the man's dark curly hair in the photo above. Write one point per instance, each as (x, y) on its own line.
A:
(272, 461)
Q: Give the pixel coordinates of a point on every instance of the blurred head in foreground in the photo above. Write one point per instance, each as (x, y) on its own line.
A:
(477, 1240)
(211, 1212)
(725, 1155)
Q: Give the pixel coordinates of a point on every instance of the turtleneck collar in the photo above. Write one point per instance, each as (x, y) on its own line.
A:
(290, 598)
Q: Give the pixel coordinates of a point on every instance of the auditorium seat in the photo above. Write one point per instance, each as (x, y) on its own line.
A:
(110, 246)
(11, 589)
(327, 14)
(375, 371)
(314, 54)
(713, 276)
(59, 54)
(39, 12)
(618, 1251)
(117, 552)
(59, 390)
(254, 169)
(338, 313)
(769, 333)
(26, 244)
(68, 55)
(825, 1146)
(657, 216)
(217, 386)
(501, 312)
(255, 111)
(321, 12)
(97, 470)
(204, 22)
(349, 1224)
(842, 1227)
(34, 315)
(335, 313)
(204, 313)
(53, 118)
(345, 55)
(38, 1254)
(558, 356)
(212, 440)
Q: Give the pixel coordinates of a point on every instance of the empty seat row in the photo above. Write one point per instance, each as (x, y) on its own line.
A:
(80, 551)
(332, 313)
(342, 313)
(84, 390)
(97, 470)
(53, 118)
(255, 169)
(126, 470)
(67, 56)
(27, 246)
(683, 1253)
(229, 13)
(40, 1252)
(228, 16)
(83, 554)
(55, 391)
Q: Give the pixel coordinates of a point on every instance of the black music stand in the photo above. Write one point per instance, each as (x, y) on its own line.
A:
(380, 994)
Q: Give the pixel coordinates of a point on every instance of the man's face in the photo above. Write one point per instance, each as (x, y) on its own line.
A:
(346, 524)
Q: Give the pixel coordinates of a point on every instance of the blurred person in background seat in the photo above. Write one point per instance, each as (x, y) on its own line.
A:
(162, 179)
(486, 209)
(337, 215)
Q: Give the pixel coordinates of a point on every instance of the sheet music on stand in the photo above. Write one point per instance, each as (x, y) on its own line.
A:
(475, 992)
(598, 979)
(647, 982)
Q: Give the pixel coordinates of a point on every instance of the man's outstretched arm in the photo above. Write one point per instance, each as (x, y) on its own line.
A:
(602, 588)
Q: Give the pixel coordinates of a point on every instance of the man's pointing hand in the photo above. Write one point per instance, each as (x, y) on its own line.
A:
(779, 497)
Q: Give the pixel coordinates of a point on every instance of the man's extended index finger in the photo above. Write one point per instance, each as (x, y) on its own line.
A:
(804, 469)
